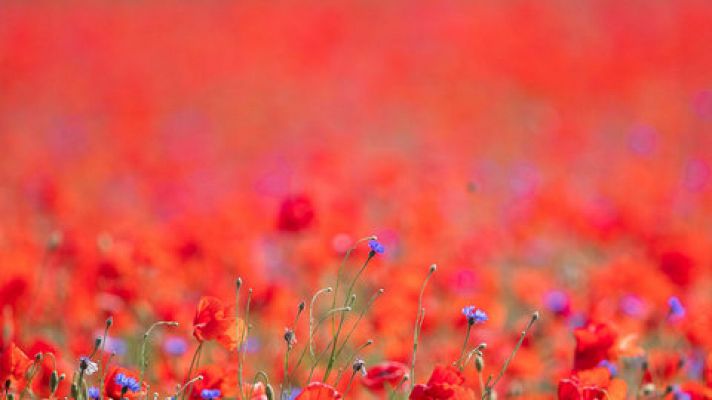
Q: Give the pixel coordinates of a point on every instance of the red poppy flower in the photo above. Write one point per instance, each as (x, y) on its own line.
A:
(593, 343)
(296, 213)
(13, 364)
(117, 378)
(592, 384)
(444, 383)
(215, 321)
(318, 391)
(390, 373)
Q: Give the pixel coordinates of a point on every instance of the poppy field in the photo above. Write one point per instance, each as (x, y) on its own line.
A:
(364, 200)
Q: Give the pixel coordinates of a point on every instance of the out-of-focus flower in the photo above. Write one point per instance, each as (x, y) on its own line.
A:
(676, 310)
(593, 344)
(318, 391)
(13, 364)
(557, 302)
(175, 346)
(389, 373)
(592, 384)
(210, 394)
(215, 321)
(474, 315)
(444, 383)
(296, 213)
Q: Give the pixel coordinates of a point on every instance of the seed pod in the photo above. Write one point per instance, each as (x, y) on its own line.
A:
(479, 363)
(53, 381)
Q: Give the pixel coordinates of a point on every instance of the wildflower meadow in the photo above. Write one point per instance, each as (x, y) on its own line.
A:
(320, 200)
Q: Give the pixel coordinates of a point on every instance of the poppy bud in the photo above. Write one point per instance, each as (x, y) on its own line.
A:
(479, 363)
(53, 381)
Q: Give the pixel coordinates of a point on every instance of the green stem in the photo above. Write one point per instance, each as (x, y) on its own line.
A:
(332, 357)
(460, 363)
(243, 349)
(193, 363)
(143, 361)
(490, 386)
(418, 324)
(338, 274)
(311, 319)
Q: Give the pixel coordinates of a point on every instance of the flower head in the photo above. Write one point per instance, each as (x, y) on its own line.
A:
(93, 393)
(215, 321)
(318, 391)
(389, 373)
(210, 394)
(474, 315)
(128, 382)
(175, 346)
(376, 246)
(88, 366)
(677, 310)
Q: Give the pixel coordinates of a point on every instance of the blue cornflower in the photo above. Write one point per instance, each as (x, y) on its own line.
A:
(210, 394)
(611, 367)
(376, 246)
(678, 394)
(474, 315)
(557, 301)
(677, 311)
(175, 346)
(93, 392)
(127, 382)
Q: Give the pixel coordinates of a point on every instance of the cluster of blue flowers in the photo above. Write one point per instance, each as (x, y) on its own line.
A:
(210, 394)
(127, 382)
(474, 315)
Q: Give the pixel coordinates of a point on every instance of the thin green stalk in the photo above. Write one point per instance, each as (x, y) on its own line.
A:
(489, 386)
(360, 317)
(350, 359)
(289, 343)
(311, 318)
(460, 364)
(182, 389)
(243, 349)
(193, 363)
(351, 381)
(332, 357)
(102, 367)
(143, 361)
(340, 270)
(418, 324)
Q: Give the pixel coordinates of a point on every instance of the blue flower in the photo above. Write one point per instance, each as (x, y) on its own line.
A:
(210, 394)
(677, 311)
(678, 394)
(376, 246)
(557, 301)
(127, 382)
(611, 367)
(474, 315)
(175, 346)
(93, 392)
